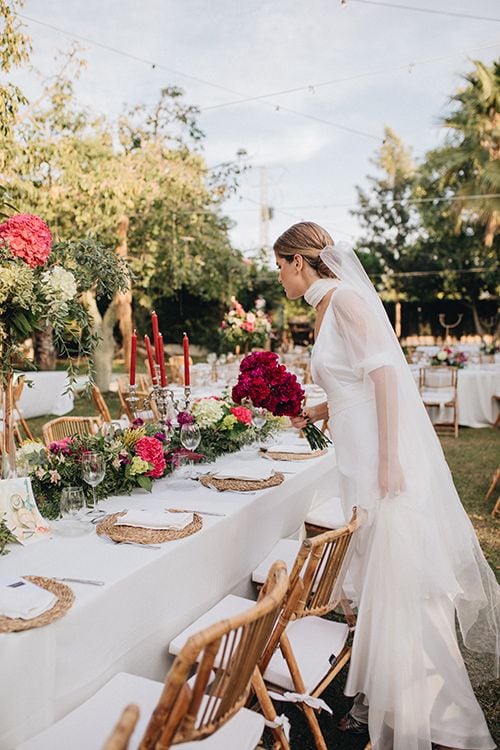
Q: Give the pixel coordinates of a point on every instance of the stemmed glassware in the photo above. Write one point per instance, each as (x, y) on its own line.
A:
(72, 522)
(93, 471)
(190, 436)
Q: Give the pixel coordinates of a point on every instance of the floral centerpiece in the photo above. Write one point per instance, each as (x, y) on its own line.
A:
(243, 330)
(449, 356)
(489, 348)
(266, 383)
(137, 456)
(134, 457)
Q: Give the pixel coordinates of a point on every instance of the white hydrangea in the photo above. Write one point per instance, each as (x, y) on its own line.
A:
(28, 455)
(208, 411)
(60, 283)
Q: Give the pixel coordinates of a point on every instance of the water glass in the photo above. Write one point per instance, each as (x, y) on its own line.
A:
(72, 521)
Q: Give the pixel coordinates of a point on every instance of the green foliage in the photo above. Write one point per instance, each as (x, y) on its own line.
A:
(15, 48)
(6, 537)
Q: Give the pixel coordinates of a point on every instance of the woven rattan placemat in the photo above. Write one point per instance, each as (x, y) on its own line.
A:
(65, 598)
(279, 456)
(241, 485)
(111, 528)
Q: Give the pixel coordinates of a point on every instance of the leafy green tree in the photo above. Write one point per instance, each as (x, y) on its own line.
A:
(469, 162)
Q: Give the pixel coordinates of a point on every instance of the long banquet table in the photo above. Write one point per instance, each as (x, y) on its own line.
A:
(149, 595)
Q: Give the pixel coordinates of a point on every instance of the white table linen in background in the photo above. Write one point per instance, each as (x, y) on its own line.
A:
(476, 389)
(46, 395)
(149, 596)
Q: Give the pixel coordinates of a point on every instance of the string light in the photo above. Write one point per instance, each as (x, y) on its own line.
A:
(451, 14)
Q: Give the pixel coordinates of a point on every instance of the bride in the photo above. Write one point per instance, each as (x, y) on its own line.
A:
(416, 563)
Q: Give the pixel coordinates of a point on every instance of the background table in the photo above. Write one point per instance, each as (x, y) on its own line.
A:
(149, 596)
(46, 395)
(477, 386)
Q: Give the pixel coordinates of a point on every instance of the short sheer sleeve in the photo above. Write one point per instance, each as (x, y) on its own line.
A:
(364, 336)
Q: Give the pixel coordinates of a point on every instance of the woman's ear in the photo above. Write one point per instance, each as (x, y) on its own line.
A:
(298, 261)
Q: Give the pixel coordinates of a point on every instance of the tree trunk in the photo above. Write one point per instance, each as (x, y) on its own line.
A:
(491, 229)
(103, 355)
(45, 352)
(123, 300)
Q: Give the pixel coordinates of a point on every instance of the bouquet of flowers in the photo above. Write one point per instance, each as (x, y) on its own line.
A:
(449, 356)
(266, 383)
(247, 329)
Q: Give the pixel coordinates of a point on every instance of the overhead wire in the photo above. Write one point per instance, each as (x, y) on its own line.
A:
(434, 11)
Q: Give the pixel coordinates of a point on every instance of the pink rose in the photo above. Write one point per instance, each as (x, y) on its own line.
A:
(28, 238)
(242, 414)
(151, 450)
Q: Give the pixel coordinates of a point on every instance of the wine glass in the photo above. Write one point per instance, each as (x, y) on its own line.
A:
(190, 436)
(93, 471)
(71, 504)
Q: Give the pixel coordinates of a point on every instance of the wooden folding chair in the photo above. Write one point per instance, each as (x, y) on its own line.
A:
(146, 409)
(494, 481)
(100, 404)
(438, 388)
(312, 650)
(63, 427)
(210, 704)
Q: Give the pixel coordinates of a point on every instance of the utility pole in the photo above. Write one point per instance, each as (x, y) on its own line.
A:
(266, 212)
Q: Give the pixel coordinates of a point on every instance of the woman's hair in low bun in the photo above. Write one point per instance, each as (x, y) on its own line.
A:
(307, 239)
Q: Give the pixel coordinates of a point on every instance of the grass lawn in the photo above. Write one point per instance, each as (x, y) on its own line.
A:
(472, 458)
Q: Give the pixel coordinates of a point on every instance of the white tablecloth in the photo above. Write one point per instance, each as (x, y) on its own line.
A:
(476, 388)
(46, 395)
(149, 596)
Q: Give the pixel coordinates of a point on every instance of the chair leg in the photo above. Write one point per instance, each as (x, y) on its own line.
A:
(268, 709)
(298, 682)
(494, 481)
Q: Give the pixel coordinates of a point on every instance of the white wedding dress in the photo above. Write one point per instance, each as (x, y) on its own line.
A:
(416, 561)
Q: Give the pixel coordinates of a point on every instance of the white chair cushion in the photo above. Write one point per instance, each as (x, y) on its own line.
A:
(90, 724)
(228, 607)
(286, 550)
(329, 514)
(315, 643)
(438, 396)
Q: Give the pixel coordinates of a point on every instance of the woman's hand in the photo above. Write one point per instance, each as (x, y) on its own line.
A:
(391, 479)
(310, 414)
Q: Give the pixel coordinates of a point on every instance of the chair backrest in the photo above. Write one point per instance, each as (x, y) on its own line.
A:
(438, 377)
(314, 579)
(148, 413)
(63, 427)
(176, 364)
(100, 404)
(190, 712)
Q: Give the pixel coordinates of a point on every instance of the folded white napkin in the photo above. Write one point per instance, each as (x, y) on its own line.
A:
(155, 519)
(299, 447)
(20, 598)
(242, 470)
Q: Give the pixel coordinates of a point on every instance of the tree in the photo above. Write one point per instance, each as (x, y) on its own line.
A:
(469, 163)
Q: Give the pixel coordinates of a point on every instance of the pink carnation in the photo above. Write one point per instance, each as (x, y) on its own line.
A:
(28, 238)
(151, 450)
(242, 414)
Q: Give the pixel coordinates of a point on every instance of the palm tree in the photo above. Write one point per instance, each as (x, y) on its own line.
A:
(470, 161)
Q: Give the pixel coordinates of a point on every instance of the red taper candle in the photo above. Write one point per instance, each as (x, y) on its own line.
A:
(185, 346)
(133, 354)
(151, 362)
(156, 333)
(161, 362)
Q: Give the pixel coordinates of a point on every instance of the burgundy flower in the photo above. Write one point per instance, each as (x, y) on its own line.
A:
(184, 417)
(268, 384)
(28, 238)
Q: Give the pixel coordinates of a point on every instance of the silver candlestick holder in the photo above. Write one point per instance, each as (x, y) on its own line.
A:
(133, 399)
(187, 397)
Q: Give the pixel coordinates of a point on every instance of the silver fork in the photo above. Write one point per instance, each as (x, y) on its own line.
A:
(125, 541)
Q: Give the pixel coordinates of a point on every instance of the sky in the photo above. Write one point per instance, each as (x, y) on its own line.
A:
(304, 86)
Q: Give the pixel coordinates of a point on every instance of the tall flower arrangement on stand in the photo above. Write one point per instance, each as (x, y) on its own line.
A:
(243, 330)
(42, 284)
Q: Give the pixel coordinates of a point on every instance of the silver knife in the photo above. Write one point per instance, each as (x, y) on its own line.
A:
(81, 580)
